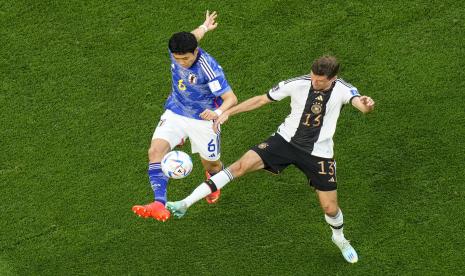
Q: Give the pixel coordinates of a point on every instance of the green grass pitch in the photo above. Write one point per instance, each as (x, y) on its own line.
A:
(82, 86)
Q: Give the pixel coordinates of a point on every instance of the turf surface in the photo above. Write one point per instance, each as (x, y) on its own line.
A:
(83, 85)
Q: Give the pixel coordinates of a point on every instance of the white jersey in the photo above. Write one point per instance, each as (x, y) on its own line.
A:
(312, 122)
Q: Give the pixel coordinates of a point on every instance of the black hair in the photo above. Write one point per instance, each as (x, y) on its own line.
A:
(326, 66)
(182, 43)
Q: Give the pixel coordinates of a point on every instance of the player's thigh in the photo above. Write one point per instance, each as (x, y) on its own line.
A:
(276, 153)
(204, 140)
(171, 128)
(249, 162)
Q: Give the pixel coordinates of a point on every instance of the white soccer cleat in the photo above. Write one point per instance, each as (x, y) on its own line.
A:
(347, 250)
(177, 208)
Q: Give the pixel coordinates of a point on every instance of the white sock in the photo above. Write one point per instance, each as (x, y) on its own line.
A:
(336, 223)
(200, 192)
(220, 179)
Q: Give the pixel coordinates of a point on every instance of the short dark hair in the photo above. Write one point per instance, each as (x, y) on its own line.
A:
(182, 43)
(325, 66)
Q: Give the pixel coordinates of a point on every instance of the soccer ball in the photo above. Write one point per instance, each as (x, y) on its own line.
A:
(176, 164)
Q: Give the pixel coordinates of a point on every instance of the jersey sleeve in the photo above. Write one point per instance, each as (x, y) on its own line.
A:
(217, 81)
(350, 94)
(347, 91)
(219, 85)
(279, 92)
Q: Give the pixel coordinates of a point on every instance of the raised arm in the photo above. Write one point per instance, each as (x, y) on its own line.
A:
(364, 103)
(208, 25)
(247, 105)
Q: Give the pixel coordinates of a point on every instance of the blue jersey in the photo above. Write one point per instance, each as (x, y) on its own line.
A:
(196, 88)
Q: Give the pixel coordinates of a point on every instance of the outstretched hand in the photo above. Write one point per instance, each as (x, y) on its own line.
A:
(367, 101)
(219, 121)
(210, 22)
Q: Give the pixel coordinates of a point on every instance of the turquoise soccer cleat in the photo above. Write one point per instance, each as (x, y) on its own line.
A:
(347, 250)
(177, 208)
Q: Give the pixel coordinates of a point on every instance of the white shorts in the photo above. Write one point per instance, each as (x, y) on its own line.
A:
(175, 128)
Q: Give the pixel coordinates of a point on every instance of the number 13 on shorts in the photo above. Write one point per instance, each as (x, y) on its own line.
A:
(327, 167)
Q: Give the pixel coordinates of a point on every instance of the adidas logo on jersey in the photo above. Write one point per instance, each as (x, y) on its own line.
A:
(212, 155)
(331, 179)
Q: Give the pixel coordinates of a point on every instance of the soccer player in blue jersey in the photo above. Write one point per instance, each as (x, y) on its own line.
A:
(200, 93)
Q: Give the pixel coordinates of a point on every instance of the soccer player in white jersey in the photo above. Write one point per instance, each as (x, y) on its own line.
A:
(304, 139)
(200, 93)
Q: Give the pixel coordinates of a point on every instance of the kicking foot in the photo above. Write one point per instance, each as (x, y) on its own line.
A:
(347, 250)
(155, 210)
(178, 208)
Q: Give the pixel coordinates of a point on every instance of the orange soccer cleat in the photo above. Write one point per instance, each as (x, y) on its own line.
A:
(155, 210)
(213, 197)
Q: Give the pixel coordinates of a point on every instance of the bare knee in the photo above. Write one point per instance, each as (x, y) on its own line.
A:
(155, 154)
(250, 162)
(157, 151)
(328, 202)
(330, 209)
(239, 168)
(212, 166)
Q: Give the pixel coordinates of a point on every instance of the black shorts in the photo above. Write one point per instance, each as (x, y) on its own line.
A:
(277, 154)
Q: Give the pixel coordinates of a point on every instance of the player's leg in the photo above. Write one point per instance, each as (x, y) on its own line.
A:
(207, 143)
(335, 219)
(158, 148)
(274, 155)
(167, 135)
(212, 168)
(322, 174)
(249, 162)
(333, 215)
(158, 181)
